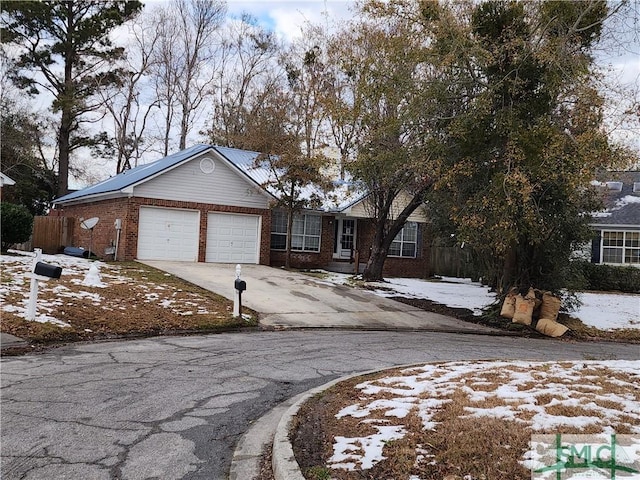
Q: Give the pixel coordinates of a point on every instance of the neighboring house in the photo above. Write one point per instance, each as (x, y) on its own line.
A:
(6, 181)
(213, 204)
(618, 227)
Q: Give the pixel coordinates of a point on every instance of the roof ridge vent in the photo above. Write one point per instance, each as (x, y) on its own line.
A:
(614, 186)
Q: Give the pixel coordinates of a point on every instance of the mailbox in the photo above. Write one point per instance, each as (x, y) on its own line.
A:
(240, 285)
(46, 270)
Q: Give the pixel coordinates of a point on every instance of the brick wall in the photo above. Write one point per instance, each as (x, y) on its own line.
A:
(128, 209)
(305, 260)
(104, 233)
(395, 266)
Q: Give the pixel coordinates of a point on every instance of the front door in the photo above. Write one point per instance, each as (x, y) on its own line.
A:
(345, 238)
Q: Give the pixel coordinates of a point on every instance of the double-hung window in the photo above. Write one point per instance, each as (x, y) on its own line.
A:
(305, 232)
(406, 242)
(621, 247)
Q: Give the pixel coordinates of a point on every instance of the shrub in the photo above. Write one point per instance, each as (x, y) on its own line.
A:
(611, 277)
(17, 223)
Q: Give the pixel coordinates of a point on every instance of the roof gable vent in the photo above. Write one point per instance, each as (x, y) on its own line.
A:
(614, 186)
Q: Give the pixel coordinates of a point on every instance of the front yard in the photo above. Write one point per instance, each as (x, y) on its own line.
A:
(129, 299)
(466, 420)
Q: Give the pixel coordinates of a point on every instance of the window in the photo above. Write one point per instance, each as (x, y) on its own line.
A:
(621, 247)
(278, 231)
(305, 232)
(405, 243)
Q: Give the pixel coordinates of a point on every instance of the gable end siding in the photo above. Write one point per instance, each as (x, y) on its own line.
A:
(188, 183)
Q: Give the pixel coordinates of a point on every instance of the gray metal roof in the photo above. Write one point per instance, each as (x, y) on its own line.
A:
(134, 175)
(622, 207)
(345, 195)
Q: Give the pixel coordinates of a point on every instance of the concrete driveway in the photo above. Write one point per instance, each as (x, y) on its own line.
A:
(294, 300)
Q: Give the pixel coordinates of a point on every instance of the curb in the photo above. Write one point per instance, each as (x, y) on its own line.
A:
(245, 463)
(285, 466)
(272, 429)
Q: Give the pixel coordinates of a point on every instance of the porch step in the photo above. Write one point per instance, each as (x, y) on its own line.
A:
(344, 267)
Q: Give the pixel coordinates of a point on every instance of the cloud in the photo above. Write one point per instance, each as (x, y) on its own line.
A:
(287, 17)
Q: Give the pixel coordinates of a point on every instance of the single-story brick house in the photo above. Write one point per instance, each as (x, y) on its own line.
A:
(617, 240)
(210, 204)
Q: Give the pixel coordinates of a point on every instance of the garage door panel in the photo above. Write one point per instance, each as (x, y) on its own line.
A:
(232, 238)
(168, 234)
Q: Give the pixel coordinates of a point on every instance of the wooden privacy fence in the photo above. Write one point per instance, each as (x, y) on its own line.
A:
(51, 234)
(451, 261)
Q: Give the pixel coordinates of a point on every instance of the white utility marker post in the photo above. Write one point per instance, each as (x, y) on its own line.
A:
(236, 296)
(33, 292)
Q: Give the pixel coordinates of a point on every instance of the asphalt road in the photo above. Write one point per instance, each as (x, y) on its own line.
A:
(174, 407)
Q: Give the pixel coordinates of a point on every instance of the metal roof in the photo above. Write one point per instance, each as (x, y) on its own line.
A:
(134, 175)
(344, 195)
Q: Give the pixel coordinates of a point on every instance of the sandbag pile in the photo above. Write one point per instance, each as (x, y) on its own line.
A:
(536, 309)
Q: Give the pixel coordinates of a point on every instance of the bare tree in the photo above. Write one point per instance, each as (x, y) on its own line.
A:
(248, 75)
(306, 70)
(184, 61)
(126, 107)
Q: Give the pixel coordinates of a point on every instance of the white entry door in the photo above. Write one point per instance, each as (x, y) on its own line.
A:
(233, 238)
(345, 238)
(168, 234)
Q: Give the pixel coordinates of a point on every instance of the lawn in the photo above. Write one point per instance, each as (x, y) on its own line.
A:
(462, 420)
(127, 300)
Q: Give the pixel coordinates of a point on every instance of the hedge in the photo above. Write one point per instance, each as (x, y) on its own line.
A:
(17, 223)
(610, 277)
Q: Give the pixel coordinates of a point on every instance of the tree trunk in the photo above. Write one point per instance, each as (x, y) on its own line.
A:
(287, 258)
(64, 133)
(375, 264)
(379, 251)
(509, 270)
(67, 98)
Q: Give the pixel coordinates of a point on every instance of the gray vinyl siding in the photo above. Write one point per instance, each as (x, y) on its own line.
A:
(188, 183)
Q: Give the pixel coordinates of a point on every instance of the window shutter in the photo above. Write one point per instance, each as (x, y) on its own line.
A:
(595, 248)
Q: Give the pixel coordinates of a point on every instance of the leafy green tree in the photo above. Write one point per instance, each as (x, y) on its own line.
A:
(527, 140)
(64, 49)
(17, 223)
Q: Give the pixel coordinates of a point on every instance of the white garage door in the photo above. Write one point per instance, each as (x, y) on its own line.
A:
(168, 234)
(232, 238)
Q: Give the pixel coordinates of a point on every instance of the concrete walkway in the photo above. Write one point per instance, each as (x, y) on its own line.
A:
(293, 300)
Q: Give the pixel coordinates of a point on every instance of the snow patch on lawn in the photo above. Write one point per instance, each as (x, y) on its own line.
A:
(519, 387)
(605, 311)
(456, 293)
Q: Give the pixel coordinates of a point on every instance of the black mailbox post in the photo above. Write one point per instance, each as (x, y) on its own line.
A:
(46, 270)
(240, 286)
